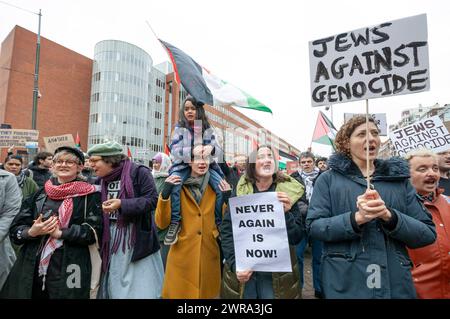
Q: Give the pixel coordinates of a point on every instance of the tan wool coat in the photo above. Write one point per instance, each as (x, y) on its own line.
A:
(193, 262)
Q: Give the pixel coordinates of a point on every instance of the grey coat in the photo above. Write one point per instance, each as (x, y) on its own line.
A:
(367, 261)
(10, 201)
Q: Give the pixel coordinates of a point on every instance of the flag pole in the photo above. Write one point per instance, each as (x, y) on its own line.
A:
(367, 144)
(153, 31)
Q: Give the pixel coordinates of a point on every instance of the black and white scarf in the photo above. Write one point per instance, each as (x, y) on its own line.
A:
(308, 179)
(21, 179)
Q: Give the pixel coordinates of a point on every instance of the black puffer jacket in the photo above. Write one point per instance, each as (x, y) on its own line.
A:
(39, 175)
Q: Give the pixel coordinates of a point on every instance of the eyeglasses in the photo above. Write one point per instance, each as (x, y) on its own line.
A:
(67, 162)
(93, 161)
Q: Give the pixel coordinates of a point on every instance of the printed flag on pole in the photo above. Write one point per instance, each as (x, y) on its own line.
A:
(77, 141)
(205, 86)
(166, 150)
(324, 132)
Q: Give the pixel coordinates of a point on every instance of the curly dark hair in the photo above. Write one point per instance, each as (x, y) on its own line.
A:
(250, 172)
(342, 140)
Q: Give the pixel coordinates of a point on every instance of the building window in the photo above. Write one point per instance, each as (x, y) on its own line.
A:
(158, 115)
(95, 97)
(157, 131)
(94, 118)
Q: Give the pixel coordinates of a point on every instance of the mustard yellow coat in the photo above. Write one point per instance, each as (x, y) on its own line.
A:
(193, 262)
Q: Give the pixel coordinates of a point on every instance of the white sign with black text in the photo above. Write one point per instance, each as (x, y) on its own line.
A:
(378, 61)
(259, 231)
(429, 133)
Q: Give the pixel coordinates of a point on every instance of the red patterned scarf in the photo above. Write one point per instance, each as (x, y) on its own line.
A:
(64, 192)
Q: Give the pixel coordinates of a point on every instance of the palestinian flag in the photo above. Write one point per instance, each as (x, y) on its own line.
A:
(324, 132)
(205, 86)
(166, 150)
(78, 141)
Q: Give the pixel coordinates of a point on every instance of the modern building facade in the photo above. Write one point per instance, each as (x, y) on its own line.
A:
(126, 99)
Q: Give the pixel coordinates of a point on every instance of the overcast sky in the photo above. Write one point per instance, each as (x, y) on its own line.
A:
(260, 46)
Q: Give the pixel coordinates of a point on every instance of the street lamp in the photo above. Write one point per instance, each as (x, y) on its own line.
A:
(36, 76)
(36, 93)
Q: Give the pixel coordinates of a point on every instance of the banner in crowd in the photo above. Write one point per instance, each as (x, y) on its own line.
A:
(379, 118)
(429, 133)
(259, 231)
(53, 142)
(18, 138)
(291, 167)
(380, 61)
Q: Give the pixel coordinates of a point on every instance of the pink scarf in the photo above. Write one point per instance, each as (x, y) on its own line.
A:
(64, 192)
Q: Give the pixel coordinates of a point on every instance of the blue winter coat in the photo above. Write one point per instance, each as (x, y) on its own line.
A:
(372, 261)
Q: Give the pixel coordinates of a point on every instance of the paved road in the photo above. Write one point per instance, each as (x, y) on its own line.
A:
(308, 289)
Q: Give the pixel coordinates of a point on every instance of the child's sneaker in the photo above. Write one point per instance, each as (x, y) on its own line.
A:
(172, 234)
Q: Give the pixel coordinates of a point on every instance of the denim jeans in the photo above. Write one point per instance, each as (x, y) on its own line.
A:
(317, 247)
(259, 286)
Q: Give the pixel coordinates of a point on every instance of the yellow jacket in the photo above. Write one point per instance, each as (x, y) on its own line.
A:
(193, 263)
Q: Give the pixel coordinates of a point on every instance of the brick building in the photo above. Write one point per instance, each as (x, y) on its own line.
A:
(64, 86)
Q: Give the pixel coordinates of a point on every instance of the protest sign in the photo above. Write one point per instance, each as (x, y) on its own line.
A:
(379, 118)
(384, 60)
(53, 142)
(259, 232)
(16, 137)
(429, 133)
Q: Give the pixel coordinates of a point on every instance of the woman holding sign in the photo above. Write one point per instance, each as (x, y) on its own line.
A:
(261, 176)
(366, 230)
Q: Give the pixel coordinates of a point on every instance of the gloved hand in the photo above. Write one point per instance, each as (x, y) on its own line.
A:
(168, 185)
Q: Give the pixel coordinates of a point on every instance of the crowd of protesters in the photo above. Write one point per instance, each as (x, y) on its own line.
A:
(377, 228)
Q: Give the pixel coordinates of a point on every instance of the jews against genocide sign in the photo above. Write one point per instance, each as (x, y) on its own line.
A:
(53, 142)
(18, 138)
(379, 118)
(429, 133)
(259, 231)
(379, 61)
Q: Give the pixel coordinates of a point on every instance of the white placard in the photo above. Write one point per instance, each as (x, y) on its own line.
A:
(17, 137)
(379, 118)
(380, 61)
(429, 133)
(259, 231)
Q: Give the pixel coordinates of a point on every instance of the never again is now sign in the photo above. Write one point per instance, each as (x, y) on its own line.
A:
(259, 232)
(378, 61)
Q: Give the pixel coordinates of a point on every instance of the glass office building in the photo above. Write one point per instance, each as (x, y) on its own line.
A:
(127, 99)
